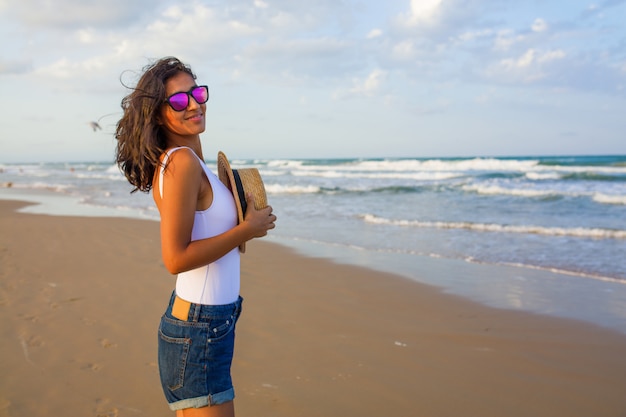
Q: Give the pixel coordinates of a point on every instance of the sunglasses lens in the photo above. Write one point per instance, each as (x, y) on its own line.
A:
(200, 94)
(179, 101)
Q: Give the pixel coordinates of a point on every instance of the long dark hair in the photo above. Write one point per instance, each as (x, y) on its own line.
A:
(140, 139)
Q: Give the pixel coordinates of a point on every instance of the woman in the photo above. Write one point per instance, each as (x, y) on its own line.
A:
(159, 149)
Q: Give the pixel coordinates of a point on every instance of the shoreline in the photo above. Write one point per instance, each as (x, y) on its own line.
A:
(81, 297)
(517, 288)
(514, 288)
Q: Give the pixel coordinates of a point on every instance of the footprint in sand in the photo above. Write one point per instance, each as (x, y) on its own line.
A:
(35, 342)
(105, 343)
(54, 305)
(94, 367)
(32, 318)
(30, 342)
(114, 412)
(104, 408)
(88, 322)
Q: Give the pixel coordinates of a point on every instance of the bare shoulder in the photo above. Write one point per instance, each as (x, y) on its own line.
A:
(182, 161)
(181, 175)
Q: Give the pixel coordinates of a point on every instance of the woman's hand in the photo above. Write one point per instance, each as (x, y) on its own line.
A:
(258, 221)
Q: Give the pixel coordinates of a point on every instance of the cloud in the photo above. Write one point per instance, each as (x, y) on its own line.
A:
(404, 50)
(307, 42)
(506, 39)
(533, 65)
(298, 60)
(71, 14)
(539, 25)
(67, 69)
(363, 87)
(598, 10)
(422, 12)
(374, 33)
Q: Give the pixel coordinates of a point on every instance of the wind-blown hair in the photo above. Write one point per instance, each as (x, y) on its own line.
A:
(140, 138)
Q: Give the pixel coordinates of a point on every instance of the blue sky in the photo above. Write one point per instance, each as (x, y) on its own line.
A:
(324, 78)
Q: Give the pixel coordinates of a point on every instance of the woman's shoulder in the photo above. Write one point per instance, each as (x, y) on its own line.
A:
(170, 153)
(179, 156)
(178, 166)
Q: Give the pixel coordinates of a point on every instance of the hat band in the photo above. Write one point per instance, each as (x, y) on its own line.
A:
(240, 192)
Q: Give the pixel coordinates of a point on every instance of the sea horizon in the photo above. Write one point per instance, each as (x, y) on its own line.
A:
(211, 158)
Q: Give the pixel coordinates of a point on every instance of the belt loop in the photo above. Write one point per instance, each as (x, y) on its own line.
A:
(195, 314)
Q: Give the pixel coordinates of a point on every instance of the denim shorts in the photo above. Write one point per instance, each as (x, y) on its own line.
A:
(195, 356)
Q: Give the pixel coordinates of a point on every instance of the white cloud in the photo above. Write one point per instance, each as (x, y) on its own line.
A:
(528, 67)
(552, 56)
(423, 11)
(282, 20)
(364, 87)
(374, 33)
(472, 35)
(404, 50)
(372, 82)
(173, 12)
(70, 14)
(506, 39)
(85, 36)
(539, 25)
(67, 69)
(297, 60)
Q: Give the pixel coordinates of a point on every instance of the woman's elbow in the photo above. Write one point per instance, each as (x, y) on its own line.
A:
(173, 269)
(172, 265)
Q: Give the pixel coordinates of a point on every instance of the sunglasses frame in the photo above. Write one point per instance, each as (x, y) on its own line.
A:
(189, 95)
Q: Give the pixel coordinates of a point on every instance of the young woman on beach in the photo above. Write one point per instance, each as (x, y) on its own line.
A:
(159, 149)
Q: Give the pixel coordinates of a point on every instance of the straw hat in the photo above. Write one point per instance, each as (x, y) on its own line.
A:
(241, 182)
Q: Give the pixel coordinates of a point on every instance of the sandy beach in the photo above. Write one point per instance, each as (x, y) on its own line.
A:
(80, 301)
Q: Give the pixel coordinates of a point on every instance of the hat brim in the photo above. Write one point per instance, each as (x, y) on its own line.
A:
(241, 182)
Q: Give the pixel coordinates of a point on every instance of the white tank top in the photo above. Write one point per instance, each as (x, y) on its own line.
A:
(218, 282)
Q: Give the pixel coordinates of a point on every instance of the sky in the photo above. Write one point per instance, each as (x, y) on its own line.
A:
(323, 78)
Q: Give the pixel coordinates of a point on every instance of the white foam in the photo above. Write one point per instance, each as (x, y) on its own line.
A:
(418, 176)
(497, 190)
(291, 189)
(538, 176)
(609, 199)
(584, 232)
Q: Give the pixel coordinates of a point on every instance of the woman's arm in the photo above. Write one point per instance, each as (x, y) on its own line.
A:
(183, 182)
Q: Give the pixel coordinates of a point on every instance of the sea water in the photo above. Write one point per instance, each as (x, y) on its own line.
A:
(563, 214)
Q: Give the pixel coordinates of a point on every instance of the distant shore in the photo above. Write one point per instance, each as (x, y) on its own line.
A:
(81, 297)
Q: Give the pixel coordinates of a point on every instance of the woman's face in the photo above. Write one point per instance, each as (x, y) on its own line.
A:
(188, 122)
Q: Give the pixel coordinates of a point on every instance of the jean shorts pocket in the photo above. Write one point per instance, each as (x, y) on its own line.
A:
(173, 354)
(220, 328)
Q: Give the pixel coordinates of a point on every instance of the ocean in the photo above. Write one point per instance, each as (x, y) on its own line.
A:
(540, 217)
